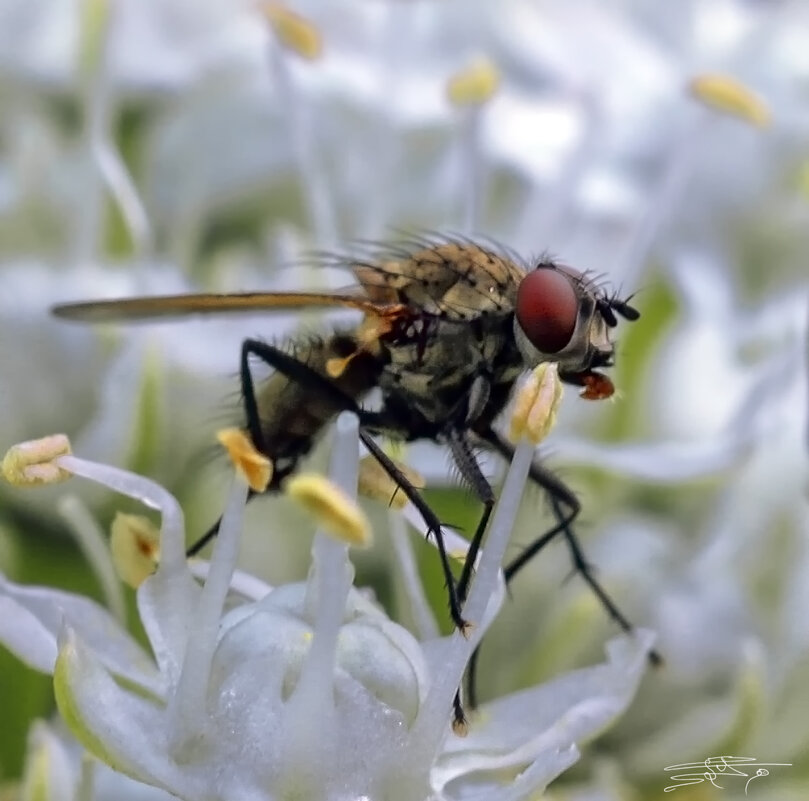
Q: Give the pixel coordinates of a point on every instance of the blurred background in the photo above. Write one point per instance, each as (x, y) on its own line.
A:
(156, 146)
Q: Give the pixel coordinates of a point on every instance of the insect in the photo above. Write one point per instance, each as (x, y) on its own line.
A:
(448, 326)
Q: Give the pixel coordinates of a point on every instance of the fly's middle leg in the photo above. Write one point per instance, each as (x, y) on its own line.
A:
(466, 462)
(430, 519)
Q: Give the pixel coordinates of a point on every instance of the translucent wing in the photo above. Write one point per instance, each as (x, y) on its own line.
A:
(168, 306)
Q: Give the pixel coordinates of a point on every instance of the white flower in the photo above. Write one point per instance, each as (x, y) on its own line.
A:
(590, 147)
(305, 690)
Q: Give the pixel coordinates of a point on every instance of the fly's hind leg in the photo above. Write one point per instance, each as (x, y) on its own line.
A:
(210, 534)
(467, 464)
(295, 370)
(566, 508)
(369, 421)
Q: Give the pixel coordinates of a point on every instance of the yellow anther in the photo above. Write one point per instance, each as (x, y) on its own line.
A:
(726, 94)
(255, 467)
(335, 511)
(32, 463)
(135, 547)
(374, 482)
(294, 31)
(536, 404)
(474, 85)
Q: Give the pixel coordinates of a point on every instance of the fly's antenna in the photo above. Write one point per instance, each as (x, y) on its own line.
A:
(624, 308)
(611, 304)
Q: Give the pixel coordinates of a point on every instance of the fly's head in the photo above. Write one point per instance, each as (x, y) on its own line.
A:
(561, 316)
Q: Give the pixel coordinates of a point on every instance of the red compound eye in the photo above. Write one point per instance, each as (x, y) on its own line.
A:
(547, 309)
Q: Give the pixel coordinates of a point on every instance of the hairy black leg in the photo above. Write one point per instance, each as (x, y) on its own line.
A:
(566, 508)
(431, 521)
(467, 464)
(469, 468)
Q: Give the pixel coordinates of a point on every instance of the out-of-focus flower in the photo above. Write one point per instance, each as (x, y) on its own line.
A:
(306, 689)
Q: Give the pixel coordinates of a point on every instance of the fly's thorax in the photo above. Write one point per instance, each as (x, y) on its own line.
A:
(455, 280)
(432, 370)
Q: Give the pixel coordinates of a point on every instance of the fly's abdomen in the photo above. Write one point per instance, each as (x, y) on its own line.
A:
(293, 411)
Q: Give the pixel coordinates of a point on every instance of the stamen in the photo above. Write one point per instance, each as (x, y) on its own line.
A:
(424, 622)
(536, 409)
(310, 719)
(254, 467)
(730, 96)
(338, 514)
(148, 492)
(31, 463)
(93, 542)
(188, 705)
(470, 90)
(135, 546)
(296, 35)
(48, 460)
(435, 712)
(536, 405)
(294, 31)
(475, 84)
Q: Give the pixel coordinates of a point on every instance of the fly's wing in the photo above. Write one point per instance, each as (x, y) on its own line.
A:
(452, 279)
(455, 279)
(173, 306)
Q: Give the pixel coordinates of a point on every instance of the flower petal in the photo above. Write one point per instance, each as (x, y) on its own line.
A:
(25, 636)
(519, 729)
(124, 730)
(46, 610)
(659, 462)
(166, 602)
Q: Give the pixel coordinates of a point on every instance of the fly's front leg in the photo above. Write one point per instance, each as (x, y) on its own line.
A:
(566, 508)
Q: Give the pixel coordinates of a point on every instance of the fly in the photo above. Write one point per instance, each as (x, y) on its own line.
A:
(448, 327)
